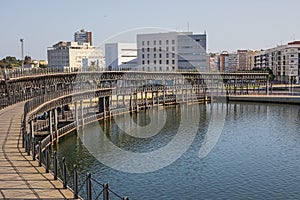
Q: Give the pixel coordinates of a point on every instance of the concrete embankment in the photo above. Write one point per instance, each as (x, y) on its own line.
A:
(266, 98)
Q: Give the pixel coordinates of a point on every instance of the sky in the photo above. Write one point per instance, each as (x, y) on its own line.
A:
(229, 24)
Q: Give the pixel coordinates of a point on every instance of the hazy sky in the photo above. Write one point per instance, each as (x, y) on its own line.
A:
(230, 24)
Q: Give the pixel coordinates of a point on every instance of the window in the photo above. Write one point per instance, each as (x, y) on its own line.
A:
(160, 55)
(160, 69)
(155, 62)
(143, 43)
(173, 41)
(148, 43)
(173, 55)
(167, 62)
(159, 42)
(173, 48)
(154, 55)
(160, 62)
(154, 42)
(143, 56)
(167, 69)
(148, 49)
(173, 62)
(143, 62)
(148, 55)
(154, 49)
(167, 48)
(159, 49)
(148, 62)
(167, 42)
(143, 49)
(167, 55)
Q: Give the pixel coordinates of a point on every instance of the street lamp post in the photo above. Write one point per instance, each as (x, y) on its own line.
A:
(22, 50)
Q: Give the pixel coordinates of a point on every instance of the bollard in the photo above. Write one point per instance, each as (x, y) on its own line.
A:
(40, 154)
(75, 183)
(33, 149)
(125, 198)
(88, 187)
(47, 160)
(64, 170)
(105, 191)
(55, 165)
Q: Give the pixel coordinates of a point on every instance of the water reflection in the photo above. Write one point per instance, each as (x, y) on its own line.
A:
(256, 156)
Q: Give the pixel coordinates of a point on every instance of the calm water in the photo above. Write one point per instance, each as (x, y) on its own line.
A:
(257, 155)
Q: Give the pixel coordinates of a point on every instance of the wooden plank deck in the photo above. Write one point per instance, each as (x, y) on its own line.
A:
(20, 177)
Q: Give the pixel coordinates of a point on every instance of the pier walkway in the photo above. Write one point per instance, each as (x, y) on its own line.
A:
(20, 177)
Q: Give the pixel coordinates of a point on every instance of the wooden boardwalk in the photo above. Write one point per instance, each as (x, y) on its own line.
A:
(20, 177)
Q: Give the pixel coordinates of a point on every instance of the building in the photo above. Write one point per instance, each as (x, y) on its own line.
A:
(83, 36)
(250, 59)
(224, 62)
(172, 51)
(233, 62)
(242, 57)
(75, 55)
(283, 60)
(120, 56)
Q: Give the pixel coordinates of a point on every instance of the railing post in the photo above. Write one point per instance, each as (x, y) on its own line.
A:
(23, 137)
(40, 154)
(64, 169)
(28, 144)
(55, 165)
(75, 183)
(47, 160)
(88, 187)
(105, 191)
(33, 149)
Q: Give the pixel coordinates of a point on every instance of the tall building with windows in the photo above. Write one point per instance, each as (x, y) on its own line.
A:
(284, 60)
(83, 36)
(172, 51)
(75, 55)
(120, 56)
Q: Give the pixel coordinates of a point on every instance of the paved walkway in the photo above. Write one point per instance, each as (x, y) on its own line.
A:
(20, 177)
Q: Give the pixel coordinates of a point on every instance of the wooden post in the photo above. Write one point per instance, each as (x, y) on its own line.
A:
(40, 154)
(88, 187)
(75, 182)
(105, 191)
(55, 165)
(47, 160)
(64, 170)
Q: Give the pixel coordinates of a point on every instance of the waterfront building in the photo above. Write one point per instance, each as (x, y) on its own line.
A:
(83, 36)
(172, 51)
(224, 61)
(233, 62)
(250, 59)
(75, 55)
(283, 60)
(242, 57)
(120, 56)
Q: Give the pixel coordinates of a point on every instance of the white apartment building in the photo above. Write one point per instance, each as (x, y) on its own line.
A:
(284, 60)
(120, 56)
(173, 51)
(75, 55)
